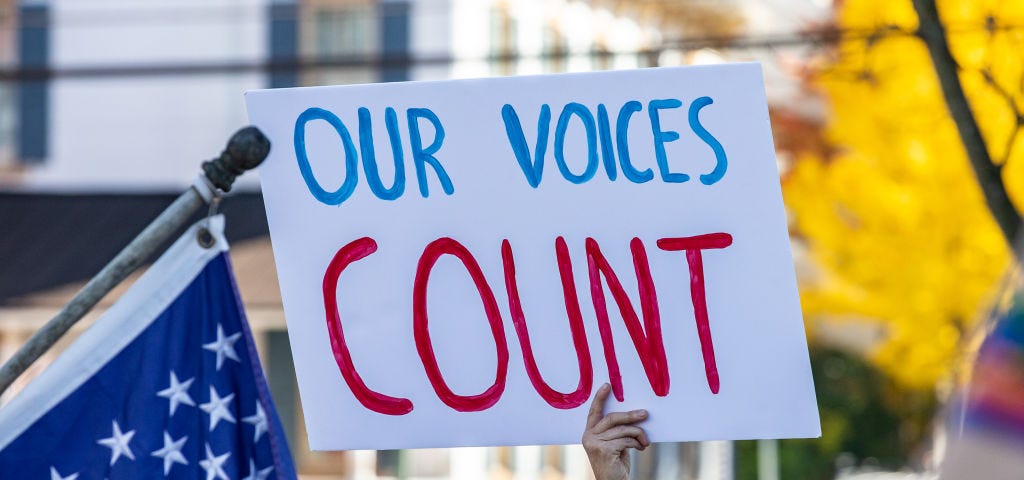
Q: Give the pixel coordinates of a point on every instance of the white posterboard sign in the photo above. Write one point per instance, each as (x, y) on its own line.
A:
(464, 263)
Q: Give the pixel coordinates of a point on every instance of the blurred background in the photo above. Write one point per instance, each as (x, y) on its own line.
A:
(902, 253)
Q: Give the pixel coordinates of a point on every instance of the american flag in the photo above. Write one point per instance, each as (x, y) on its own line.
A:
(166, 384)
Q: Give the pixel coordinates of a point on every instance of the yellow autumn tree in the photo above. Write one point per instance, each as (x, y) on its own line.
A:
(894, 219)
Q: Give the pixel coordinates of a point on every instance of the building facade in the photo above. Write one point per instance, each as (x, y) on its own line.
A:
(116, 103)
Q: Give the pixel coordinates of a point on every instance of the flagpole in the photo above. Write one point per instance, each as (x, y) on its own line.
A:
(245, 150)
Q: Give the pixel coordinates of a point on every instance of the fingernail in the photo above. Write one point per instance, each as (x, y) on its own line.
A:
(640, 413)
(605, 386)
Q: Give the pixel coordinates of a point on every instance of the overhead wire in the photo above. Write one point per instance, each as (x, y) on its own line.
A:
(299, 63)
(411, 59)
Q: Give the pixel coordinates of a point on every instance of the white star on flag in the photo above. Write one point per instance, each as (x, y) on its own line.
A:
(171, 452)
(258, 421)
(118, 443)
(177, 393)
(224, 346)
(217, 408)
(214, 466)
(258, 474)
(56, 476)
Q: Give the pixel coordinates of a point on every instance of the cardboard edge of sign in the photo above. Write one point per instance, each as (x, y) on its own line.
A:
(512, 78)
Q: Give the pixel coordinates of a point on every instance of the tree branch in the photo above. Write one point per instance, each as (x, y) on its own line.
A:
(986, 171)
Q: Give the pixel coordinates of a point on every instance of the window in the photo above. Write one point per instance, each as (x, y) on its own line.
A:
(344, 31)
(32, 95)
(601, 57)
(556, 49)
(7, 130)
(346, 35)
(8, 101)
(503, 40)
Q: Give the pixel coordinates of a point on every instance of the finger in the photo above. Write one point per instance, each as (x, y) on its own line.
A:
(624, 431)
(597, 406)
(619, 418)
(623, 444)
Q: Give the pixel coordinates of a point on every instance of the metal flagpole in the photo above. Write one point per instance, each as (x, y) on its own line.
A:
(246, 149)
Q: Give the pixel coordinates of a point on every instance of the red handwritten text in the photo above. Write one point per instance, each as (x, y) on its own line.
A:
(646, 336)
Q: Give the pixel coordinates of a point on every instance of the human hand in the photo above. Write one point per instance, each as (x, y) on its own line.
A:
(608, 438)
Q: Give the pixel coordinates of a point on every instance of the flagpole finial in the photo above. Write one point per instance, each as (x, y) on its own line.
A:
(247, 148)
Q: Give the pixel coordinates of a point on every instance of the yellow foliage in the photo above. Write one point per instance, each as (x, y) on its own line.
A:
(895, 219)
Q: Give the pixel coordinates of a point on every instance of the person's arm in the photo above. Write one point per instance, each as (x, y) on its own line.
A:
(608, 438)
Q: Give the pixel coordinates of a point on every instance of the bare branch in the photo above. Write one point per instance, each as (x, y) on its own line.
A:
(1010, 142)
(1011, 103)
(987, 172)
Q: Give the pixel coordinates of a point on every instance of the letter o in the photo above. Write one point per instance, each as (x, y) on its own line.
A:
(461, 403)
(591, 131)
(351, 157)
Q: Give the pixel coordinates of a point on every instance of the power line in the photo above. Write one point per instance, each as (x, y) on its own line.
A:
(398, 61)
(822, 37)
(201, 16)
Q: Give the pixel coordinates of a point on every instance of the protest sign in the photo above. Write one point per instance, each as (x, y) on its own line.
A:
(465, 262)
